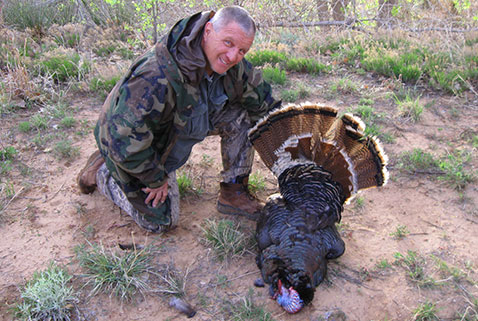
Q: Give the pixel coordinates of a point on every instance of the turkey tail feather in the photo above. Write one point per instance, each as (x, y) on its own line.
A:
(311, 133)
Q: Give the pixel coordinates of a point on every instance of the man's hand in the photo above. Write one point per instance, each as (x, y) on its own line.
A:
(156, 195)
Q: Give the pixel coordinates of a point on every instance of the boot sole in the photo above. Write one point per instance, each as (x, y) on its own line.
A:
(230, 210)
(92, 161)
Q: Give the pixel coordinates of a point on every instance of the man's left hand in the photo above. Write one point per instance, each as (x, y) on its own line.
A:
(156, 195)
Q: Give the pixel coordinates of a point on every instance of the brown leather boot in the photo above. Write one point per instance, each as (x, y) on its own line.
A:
(235, 199)
(87, 177)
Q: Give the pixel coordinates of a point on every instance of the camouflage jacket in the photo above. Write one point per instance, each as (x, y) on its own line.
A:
(142, 115)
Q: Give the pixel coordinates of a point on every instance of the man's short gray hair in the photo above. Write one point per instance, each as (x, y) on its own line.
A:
(236, 14)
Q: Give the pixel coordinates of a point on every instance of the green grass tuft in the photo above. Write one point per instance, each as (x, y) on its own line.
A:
(409, 107)
(64, 67)
(37, 15)
(68, 122)
(344, 86)
(8, 153)
(64, 149)
(274, 75)
(262, 57)
(175, 282)
(454, 170)
(103, 86)
(121, 274)
(418, 161)
(426, 312)
(415, 266)
(225, 238)
(185, 184)
(257, 183)
(291, 95)
(400, 232)
(247, 309)
(306, 65)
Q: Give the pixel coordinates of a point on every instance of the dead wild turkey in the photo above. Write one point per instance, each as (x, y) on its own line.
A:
(321, 160)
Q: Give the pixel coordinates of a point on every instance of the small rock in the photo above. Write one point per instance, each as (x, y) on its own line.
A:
(335, 315)
(259, 283)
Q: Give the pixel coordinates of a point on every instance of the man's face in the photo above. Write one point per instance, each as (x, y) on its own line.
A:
(224, 48)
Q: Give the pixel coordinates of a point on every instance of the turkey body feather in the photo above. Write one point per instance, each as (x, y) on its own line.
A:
(296, 232)
(321, 160)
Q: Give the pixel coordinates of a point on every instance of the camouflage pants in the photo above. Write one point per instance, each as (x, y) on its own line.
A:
(232, 125)
(109, 188)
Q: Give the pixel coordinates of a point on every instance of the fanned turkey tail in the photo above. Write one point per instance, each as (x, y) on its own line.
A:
(317, 134)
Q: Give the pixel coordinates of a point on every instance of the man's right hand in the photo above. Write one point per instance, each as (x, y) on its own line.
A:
(157, 195)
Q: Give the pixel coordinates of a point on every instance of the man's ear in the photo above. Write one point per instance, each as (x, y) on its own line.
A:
(208, 28)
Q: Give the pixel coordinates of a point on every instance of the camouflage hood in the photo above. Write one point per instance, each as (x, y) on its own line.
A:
(184, 43)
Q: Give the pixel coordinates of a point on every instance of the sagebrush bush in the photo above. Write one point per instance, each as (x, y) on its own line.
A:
(47, 296)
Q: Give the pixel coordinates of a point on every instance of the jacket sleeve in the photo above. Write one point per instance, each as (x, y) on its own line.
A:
(134, 131)
(257, 93)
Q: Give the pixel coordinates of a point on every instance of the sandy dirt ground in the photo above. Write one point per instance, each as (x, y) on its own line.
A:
(48, 218)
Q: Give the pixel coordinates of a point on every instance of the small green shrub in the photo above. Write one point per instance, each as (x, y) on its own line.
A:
(383, 264)
(39, 121)
(103, 86)
(8, 153)
(185, 184)
(400, 232)
(118, 274)
(5, 167)
(409, 108)
(454, 170)
(126, 53)
(63, 67)
(37, 15)
(446, 270)
(368, 115)
(68, 122)
(68, 39)
(291, 95)
(451, 81)
(105, 51)
(307, 65)
(63, 149)
(415, 266)
(417, 161)
(262, 57)
(344, 86)
(59, 110)
(274, 75)
(406, 66)
(257, 183)
(247, 309)
(47, 296)
(426, 312)
(365, 112)
(41, 140)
